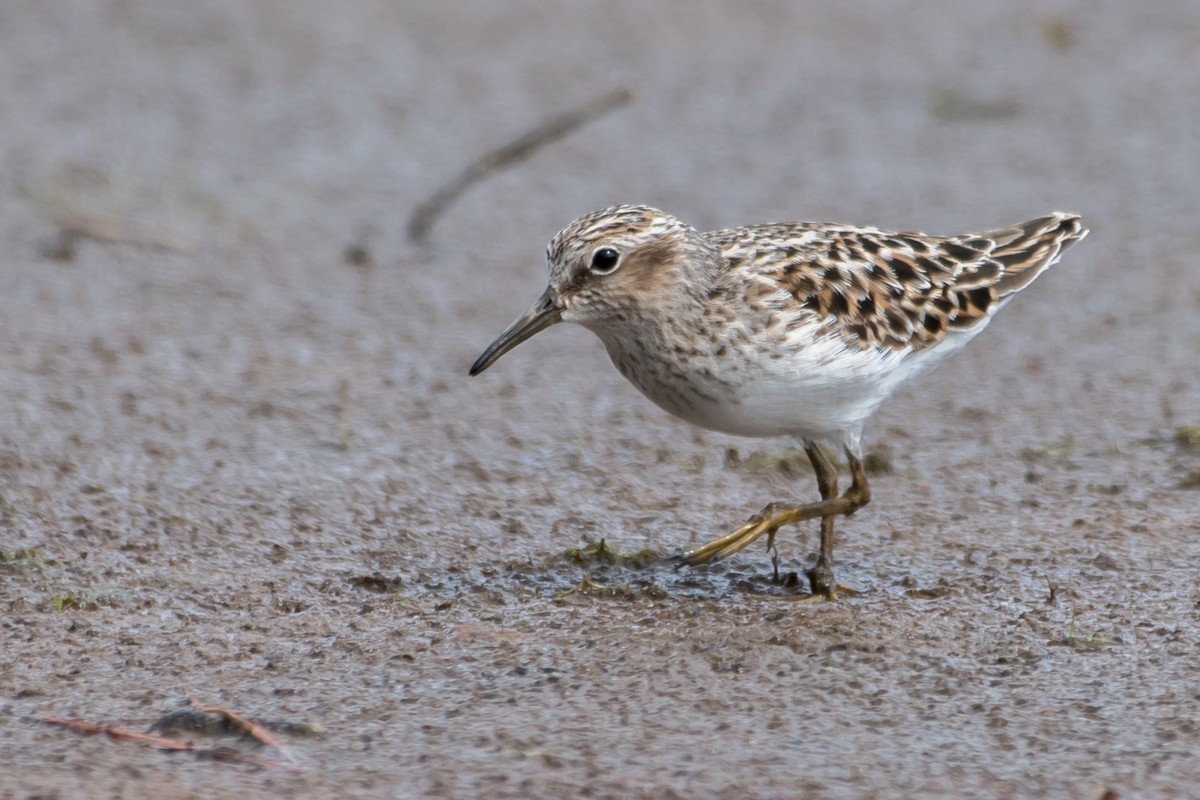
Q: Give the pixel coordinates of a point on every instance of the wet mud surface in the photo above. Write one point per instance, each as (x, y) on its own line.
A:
(241, 461)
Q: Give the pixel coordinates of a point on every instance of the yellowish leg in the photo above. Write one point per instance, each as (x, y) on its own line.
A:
(776, 515)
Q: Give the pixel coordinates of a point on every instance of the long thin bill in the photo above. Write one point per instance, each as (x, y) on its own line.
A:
(544, 313)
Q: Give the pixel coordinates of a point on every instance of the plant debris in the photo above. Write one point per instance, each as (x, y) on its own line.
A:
(518, 150)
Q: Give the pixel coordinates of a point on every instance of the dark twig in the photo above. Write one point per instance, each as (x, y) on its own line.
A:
(426, 213)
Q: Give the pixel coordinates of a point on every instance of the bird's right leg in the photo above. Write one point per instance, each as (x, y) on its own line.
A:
(776, 515)
(820, 575)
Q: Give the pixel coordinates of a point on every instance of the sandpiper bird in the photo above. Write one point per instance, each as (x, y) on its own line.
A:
(793, 329)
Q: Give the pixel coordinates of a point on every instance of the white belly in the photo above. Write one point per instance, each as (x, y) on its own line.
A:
(822, 390)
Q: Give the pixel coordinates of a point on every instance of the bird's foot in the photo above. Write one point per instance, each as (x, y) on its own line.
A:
(764, 523)
(822, 583)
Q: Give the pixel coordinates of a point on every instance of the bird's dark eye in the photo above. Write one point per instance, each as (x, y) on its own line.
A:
(605, 260)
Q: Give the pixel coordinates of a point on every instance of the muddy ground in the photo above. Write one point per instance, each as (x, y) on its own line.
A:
(240, 457)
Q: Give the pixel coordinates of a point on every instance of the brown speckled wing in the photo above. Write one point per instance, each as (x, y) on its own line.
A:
(898, 290)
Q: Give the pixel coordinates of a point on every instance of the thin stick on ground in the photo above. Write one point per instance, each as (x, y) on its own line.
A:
(119, 733)
(169, 744)
(75, 226)
(248, 727)
(519, 149)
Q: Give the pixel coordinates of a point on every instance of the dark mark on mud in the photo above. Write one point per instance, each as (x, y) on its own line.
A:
(195, 720)
(376, 582)
(596, 570)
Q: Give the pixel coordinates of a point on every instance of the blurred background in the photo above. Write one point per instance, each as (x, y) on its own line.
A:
(232, 383)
